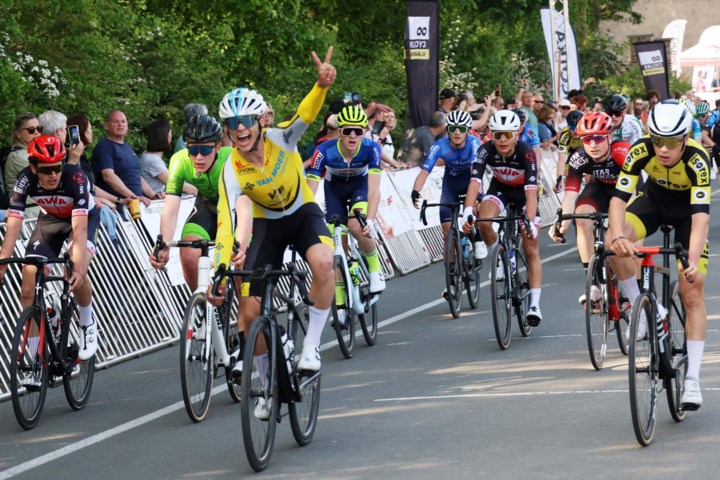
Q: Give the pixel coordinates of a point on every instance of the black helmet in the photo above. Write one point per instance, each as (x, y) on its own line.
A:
(573, 118)
(202, 129)
(615, 103)
(520, 113)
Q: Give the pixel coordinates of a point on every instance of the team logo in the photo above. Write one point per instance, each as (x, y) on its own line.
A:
(79, 177)
(249, 186)
(81, 202)
(700, 195)
(532, 179)
(625, 182)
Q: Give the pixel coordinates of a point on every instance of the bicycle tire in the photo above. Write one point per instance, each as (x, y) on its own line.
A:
(678, 350)
(259, 385)
(78, 382)
(303, 414)
(643, 372)
(596, 313)
(231, 340)
(501, 298)
(28, 402)
(344, 332)
(453, 272)
(196, 367)
(472, 281)
(522, 296)
(621, 325)
(369, 319)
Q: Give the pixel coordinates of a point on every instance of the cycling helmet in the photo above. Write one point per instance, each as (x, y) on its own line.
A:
(46, 149)
(504, 120)
(594, 123)
(242, 101)
(352, 115)
(702, 108)
(520, 113)
(573, 118)
(458, 118)
(669, 119)
(202, 129)
(615, 103)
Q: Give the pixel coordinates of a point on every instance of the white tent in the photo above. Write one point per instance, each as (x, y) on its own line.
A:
(706, 52)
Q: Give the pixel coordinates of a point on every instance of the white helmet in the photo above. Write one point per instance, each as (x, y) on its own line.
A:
(504, 121)
(669, 118)
(242, 101)
(458, 118)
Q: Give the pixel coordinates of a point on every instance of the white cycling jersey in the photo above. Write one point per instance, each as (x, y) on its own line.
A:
(630, 130)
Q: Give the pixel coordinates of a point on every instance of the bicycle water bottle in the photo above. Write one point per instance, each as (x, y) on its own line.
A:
(355, 275)
(354, 272)
(465, 248)
(53, 315)
(288, 348)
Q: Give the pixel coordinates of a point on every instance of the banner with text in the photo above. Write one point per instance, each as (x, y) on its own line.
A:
(564, 61)
(421, 59)
(652, 58)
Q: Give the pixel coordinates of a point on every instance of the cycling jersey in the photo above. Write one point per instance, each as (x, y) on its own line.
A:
(530, 136)
(568, 143)
(630, 130)
(182, 170)
(327, 155)
(606, 171)
(457, 161)
(71, 197)
(517, 170)
(696, 129)
(688, 181)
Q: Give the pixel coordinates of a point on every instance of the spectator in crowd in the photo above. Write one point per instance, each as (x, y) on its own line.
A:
(416, 148)
(699, 85)
(512, 103)
(153, 168)
(447, 100)
(330, 131)
(496, 103)
(715, 84)
(378, 115)
(563, 109)
(638, 108)
(581, 101)
(538, 103)
(190, 110)
(548, 134)
(526, 99)
(267, 119)
(25, 128)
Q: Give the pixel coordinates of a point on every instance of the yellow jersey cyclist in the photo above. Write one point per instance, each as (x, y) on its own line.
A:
(678, 183)
(264, 178)
(568, 143)
(353, 173)
(67, 210)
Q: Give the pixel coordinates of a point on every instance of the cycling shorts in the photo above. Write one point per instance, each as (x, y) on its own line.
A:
(452, 187)
(202, 222)
(501, 194)
(339, 193)
(597, 195)
(51, 232)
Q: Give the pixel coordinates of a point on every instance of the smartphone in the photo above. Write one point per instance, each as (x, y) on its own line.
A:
(348, 97)
(497, 90)
(74, 131)
(355, 97)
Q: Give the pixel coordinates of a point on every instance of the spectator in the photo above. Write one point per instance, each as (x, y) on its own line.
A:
(581, 103)
(538, 103)
(699, 85)
(190, 110)
(564, 107)
(715, 84)
(153, 168)
(512, 103)
(548, 134)
(638, 108)
(526, 100)
(447, 100)
(267, 119)
(25, 128)
(416, 148)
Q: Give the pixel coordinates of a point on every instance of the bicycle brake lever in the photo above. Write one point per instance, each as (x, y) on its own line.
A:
(681, 254)
(159, 246)
(558, 224)
(360, 217)
(219, 274)
(422, 212)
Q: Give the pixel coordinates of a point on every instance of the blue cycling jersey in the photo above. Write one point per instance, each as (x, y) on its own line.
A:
(457, 161)
(696, 129)
(327, 155)
(530, 136)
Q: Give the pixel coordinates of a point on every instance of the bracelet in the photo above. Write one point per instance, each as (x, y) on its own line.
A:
(118, 200)
(616, 239)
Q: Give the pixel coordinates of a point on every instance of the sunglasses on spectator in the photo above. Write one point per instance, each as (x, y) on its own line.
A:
(565, 107)
(50, 170)
(588, 139)
(457, 129)
(503, 135)
(538, 101)
(348, 131)
(616, 114)
(32, 130)
(203, 150)
(247, 121)
(669, 143)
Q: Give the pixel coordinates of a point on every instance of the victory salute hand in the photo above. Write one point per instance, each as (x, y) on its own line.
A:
(326, 72)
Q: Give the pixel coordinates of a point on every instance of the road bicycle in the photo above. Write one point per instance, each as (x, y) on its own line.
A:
(206, 339)
(352, 293)
(509, 281)
(270, 374)
(604, 309)
(54, 358)
(462, 268)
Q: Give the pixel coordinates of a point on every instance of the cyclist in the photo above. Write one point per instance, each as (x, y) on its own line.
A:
(568, 143)
(514, 169)
(67, 210)
(353, 175)
(679, 183)
(625, 127)
(264, 176)
(710, 132)
(696, 128)
(602, 159)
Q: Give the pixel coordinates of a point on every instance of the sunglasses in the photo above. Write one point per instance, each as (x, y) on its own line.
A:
(538, 101)
(503, 135)
(457, 129)
(203, 150)
(565, 108)
(32, 130)
(50, 170)
(588, 139)
(247, 121)
(616, 114)
(669, 143)
(349, 131)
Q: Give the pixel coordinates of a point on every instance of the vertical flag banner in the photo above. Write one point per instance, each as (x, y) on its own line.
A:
(562, 51)
(421, 59)
(675, 31)
(654, 66)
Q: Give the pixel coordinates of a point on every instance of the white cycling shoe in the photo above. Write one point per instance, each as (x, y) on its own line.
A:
(377, 282)
(89, 341)
(309, 359)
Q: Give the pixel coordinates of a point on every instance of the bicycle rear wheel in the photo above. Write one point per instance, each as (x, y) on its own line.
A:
(231, 339)
(78, 382)
(259, 395)
(343, 318)
(622, 324)
(28, 372)
(196, 364)
(369, 319)
(678, 350)
(643, 370)
(471, 277)
(501, 296)
(596, 312)
(453, 272)
(522, 300)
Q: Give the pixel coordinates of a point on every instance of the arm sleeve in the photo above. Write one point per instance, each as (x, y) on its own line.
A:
(375, 159)
(176, 178)
(19, 195)
(573, 180)
(477, 169)
(627, 181)
(698, 170)
(81, 192)
(530, 170)
(432, 157)
(229, 191)
(317, 163)
(293, 129)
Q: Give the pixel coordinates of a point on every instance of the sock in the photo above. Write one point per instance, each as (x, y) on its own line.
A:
(32, 345)
(262, 365)
(695, 352)
(491, 248)
(315, 327)
(631, 289)
(373, 260)
(85, 315)
(535, 297)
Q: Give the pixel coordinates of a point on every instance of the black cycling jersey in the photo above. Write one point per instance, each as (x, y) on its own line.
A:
(517, 170)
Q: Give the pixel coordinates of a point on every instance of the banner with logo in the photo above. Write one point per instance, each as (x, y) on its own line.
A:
(564, 61)
(654, 66)
(675, 31)
(421, 59)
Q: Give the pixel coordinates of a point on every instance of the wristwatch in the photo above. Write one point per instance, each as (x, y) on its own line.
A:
(118, 200)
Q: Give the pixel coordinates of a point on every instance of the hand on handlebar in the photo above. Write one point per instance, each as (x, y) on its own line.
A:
(159, 260)
(415, 196)
(466, 221)
(217, 298)
(369, 229)
(558, 234)
(622, 247)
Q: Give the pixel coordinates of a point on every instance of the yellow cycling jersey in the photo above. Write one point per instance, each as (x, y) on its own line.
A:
(278, 187)
(686, 181)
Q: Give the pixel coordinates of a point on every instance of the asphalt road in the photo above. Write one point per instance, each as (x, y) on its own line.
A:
(435, 398)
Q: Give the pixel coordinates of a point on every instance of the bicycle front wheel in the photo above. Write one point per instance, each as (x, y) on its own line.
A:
(231, 340)
(678, 350)
(196, 359)
(472, 280)
(342, 315)
(643, 370)
(522, 298)
(28, 369)
(453, 272)
(596, 312)
(501, 293)
(369, 319)
(78, 381)
(259, 406)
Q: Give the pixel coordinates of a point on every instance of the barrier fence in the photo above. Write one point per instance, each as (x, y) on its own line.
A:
(140, 309)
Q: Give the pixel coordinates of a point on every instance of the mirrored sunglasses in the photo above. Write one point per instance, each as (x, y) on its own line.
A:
(50, 170)
(616, 114)
(203, 150)
(32, 130)
(669, 143)
(588, 139)
(348, 131)
(247, 121)
(503, 135)
(457, 129)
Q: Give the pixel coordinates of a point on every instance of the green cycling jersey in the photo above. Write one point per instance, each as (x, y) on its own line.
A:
(182, 170)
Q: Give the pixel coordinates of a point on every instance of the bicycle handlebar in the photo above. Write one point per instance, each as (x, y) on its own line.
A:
(264, 273)
(676, 250)
(560, 217)
(425, 205)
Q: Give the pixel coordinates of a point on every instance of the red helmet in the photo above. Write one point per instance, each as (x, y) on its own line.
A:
(46, 149)
(594, 123)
